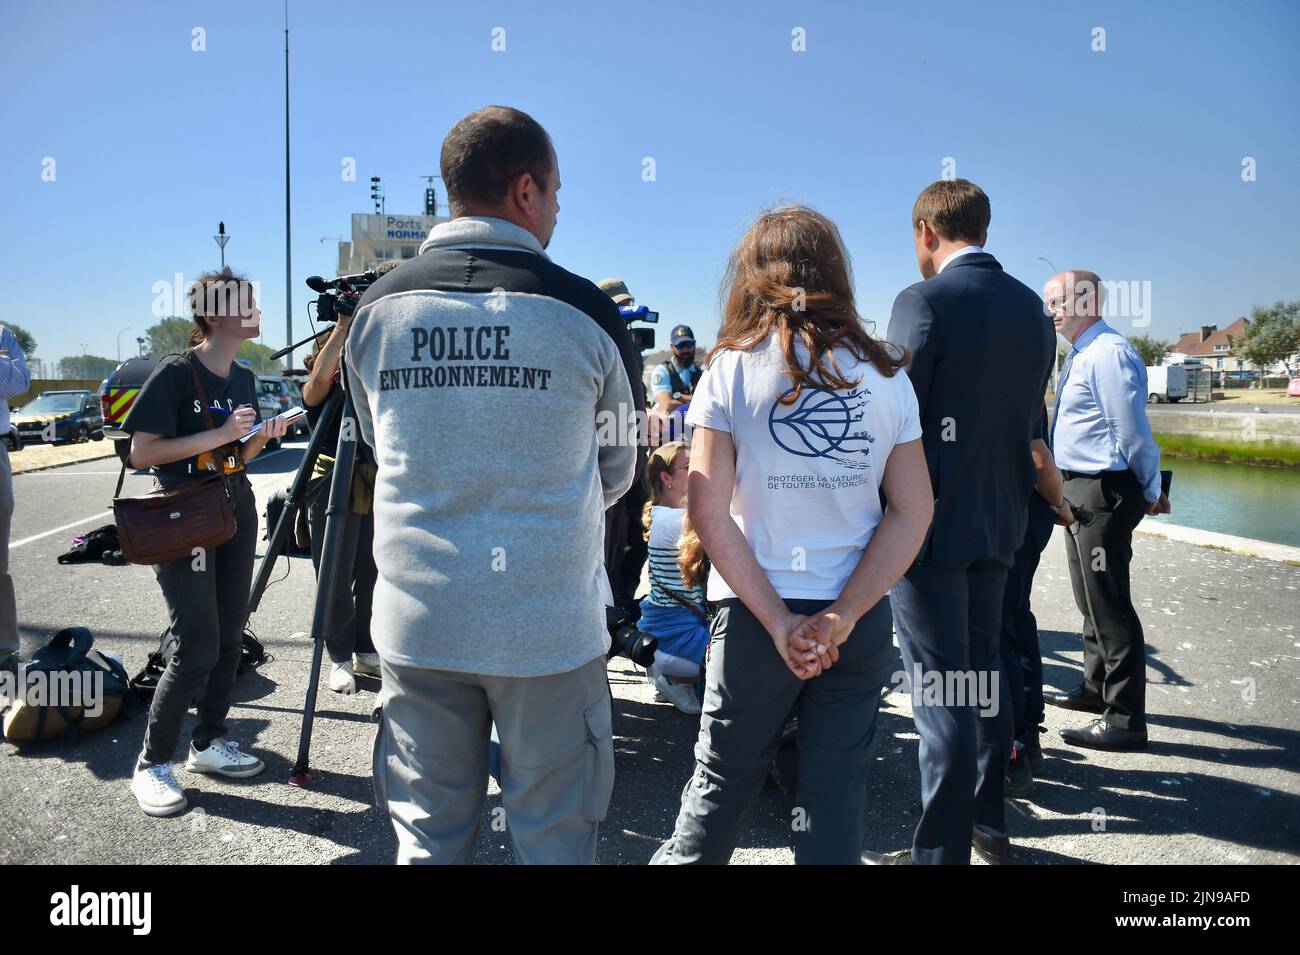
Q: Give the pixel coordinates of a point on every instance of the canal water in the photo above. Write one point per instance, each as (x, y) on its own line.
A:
(1240, 499)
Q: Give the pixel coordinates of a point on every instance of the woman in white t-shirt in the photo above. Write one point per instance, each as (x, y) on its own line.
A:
(802, 422)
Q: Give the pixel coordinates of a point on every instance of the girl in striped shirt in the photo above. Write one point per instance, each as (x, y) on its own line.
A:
(673, 611)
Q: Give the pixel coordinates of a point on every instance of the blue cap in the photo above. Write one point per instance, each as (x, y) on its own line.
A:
(682, 333)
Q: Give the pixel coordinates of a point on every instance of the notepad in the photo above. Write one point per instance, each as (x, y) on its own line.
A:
(294, 412)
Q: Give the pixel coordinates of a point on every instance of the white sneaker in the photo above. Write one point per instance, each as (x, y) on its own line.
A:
(365, 664)
(341, 679)
(680, 695)
(651, 674)
(223, 758)
(157, 791)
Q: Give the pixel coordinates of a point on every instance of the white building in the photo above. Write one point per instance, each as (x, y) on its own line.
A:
(378, 238)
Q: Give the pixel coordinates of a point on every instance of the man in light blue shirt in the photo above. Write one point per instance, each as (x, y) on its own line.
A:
(14, 380)
(671, 385)
(1103, 445)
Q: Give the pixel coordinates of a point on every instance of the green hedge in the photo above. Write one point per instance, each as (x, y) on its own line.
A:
(1207, 449)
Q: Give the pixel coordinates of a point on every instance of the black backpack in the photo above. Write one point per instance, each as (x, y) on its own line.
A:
(298, 543)
(144, 683)
(100, 545)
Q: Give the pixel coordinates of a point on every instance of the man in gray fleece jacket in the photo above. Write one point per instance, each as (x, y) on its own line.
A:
(494, 389)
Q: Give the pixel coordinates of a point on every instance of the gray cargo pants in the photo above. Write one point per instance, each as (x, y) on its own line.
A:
(749, 694)
(557, 761)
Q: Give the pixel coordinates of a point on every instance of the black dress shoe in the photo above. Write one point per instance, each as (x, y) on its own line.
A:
(1101, 735)
(1080, 698)
(898, 857)
(993, 849)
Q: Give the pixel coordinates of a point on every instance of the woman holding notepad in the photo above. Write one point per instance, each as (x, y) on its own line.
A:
(186, 422)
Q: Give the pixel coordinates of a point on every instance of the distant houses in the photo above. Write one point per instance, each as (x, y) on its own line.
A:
(1213, 346)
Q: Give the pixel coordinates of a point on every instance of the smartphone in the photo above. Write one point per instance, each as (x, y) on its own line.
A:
(1166, 482)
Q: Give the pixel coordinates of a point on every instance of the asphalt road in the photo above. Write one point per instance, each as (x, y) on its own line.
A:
(1218, 785)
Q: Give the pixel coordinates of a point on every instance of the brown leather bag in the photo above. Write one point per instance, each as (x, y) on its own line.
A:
(169, 524)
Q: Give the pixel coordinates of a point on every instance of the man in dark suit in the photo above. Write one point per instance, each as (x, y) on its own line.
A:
(981, 350)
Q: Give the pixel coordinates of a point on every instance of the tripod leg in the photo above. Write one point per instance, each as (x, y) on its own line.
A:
(293, 503)
(327, 579)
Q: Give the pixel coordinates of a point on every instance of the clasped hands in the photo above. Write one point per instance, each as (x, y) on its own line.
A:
(810, 645)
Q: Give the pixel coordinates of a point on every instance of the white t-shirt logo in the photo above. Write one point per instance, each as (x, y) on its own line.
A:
(823, 424)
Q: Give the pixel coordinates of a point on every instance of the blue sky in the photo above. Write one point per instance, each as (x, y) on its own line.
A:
(1126, 161)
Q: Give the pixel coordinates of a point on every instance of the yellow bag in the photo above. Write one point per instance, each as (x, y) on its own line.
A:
(66, 686)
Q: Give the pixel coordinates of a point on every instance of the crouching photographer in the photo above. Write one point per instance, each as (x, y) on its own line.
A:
(674, 611)
(347, 639)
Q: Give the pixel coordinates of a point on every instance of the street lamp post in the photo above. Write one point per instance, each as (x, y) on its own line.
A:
(119, 342)
(221, 239)
(1056, 352)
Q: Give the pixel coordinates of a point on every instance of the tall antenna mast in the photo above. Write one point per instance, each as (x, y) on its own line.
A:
(288, 254)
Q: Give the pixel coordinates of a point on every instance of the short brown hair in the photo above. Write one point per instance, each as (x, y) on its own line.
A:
(488, 150)
(211, 294)
(956, 209)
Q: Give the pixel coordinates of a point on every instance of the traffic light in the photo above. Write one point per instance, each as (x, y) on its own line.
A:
(430, 202)
(377, 193)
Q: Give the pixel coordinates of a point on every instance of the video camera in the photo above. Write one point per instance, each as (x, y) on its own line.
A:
(339, 296)
(644, 338)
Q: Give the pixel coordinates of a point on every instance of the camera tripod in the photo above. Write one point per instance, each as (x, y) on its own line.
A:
(337, 408)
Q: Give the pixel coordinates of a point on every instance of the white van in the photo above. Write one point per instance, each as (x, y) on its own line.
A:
(1166, 383)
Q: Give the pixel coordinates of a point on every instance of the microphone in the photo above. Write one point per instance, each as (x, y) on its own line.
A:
(318, 284)
(344, 282)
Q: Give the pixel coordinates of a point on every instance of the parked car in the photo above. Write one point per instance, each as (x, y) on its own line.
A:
(73, 415)
(283, 394)
(117, 394)
(13, 439)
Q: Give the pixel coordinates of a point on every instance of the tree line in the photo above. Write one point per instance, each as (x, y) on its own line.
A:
(169, 335)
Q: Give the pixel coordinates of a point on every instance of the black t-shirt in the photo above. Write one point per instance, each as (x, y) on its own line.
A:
(314, 413)
(331, 442)
(168, 405)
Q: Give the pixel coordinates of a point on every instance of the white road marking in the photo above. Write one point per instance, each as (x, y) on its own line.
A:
(85, 520)
(266, 478)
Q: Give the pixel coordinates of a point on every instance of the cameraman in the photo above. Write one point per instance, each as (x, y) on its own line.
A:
(347, 638)
(625, 545)
(672, 383)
